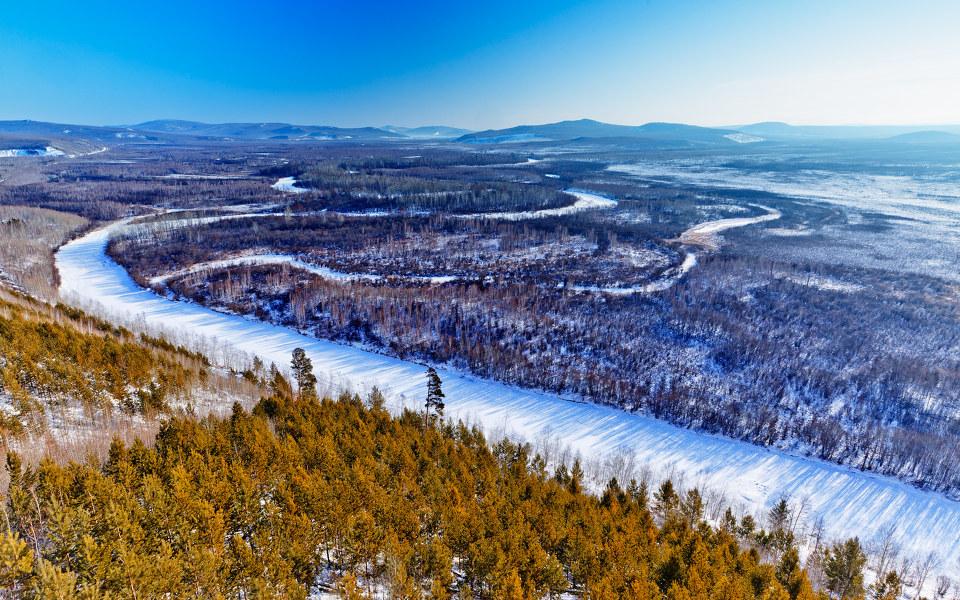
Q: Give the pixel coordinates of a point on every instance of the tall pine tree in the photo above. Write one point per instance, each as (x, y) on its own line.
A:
(435, 395)
(302, 368)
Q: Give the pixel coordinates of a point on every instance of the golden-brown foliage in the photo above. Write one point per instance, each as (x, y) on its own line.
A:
(302, 492)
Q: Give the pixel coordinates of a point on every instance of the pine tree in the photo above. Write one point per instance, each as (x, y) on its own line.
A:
(666, 499)
(303, 372)
(843, 568)
(435, 395)
(779, 516)
(576, 478)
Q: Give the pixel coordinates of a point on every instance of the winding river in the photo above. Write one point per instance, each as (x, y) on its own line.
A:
(850, 502)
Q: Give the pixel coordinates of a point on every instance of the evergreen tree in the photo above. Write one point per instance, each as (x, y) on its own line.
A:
(435, 395)
(638, 493)
(279, 386)
(666, 499)
(575, 484)
(692, 507)
(303, 372)
(779, 516)
(843, 568)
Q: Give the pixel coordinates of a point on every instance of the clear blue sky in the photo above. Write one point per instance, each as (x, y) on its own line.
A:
(479, 64)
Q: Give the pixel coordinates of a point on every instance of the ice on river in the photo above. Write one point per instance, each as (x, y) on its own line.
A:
(850, 502)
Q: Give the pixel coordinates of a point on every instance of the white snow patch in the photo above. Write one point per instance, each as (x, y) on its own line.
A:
(189, 176)
(822, 283)
(288, 184)
(667, 280)
(743, 138)
(787, 232)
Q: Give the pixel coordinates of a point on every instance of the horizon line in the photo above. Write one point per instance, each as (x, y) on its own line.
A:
(518, 124)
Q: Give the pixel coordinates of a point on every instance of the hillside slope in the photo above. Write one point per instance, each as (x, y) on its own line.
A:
(366, 504)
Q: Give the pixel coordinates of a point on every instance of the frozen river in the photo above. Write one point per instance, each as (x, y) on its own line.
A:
(850, 502)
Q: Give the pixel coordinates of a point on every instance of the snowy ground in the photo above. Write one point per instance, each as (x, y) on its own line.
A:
(288, 184)
(703, 234)
(706, 234)
(850, 502)
(922, 209)
(18, 152)
(666, 281)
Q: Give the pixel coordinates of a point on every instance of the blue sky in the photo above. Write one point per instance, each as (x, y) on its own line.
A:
(482, 64)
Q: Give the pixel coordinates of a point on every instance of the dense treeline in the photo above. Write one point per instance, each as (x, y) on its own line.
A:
(424, 189)
(305, 495)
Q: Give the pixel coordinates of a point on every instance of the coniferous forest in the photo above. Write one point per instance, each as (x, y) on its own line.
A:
(303, 495)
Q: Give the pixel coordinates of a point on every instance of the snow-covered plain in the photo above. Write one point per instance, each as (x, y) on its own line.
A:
(850, 502)
(921, 212)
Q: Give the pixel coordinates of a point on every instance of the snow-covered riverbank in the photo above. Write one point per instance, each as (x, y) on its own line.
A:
(850, 502)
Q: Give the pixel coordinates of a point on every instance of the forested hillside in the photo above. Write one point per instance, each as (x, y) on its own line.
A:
(67, 377)
(308, 496)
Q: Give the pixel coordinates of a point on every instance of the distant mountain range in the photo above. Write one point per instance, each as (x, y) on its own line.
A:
(428, 131)
(262, 131)
(677, 133)
(26, 135)
(784, 131)
(590, 129)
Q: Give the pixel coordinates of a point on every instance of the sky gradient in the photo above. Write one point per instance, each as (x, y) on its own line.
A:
(482, 64)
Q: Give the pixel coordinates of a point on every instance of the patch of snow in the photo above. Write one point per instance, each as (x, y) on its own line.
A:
(822, 283)
(197, 176)
(787, 232)
(743, 138)
(667, 280)
(99, 150)
(288, 184)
